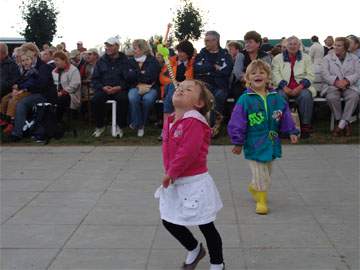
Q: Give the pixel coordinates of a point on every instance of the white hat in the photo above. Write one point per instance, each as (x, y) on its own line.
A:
(112, 41)
(79, 42)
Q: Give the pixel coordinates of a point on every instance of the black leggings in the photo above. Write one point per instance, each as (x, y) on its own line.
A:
(185, 237)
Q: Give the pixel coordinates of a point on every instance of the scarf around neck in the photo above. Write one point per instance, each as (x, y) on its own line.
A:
(140, 59)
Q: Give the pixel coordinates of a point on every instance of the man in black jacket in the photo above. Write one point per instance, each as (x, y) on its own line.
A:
(109, 83)
(213, 65)
(9, 71)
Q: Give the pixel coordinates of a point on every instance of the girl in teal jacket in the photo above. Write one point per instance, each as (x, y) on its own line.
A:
(258, 117)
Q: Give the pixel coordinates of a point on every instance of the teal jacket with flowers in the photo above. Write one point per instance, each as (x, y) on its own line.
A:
(256, 122)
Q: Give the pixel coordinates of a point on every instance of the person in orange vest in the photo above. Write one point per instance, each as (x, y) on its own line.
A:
(182, 66)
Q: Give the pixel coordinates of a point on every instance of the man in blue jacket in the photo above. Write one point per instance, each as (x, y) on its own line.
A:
(213, 65)
(109, 82)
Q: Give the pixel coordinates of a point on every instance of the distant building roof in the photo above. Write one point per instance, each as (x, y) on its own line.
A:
(12, 40)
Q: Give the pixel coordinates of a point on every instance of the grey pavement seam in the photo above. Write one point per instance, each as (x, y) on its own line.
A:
(43, 190)
(341, 257)
(233, 202)
(83, 219)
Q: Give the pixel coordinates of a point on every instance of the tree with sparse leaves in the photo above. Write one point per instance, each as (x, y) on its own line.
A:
(188, 22)
(40, 17)
(126, 45)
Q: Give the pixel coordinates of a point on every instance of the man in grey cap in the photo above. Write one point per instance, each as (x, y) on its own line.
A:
(109, 82)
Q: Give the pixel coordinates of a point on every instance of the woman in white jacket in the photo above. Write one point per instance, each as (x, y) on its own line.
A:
(293, 75)
(341, 72)
(68, 84)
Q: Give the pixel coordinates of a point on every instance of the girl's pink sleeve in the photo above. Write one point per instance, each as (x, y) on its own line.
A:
(165, 144)
(189, 147)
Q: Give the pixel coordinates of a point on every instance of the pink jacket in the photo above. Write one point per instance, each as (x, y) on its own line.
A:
(185, 145)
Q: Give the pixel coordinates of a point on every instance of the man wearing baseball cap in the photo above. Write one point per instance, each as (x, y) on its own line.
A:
(109, 82)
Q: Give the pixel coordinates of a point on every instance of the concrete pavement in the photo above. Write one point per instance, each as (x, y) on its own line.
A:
(93, 208)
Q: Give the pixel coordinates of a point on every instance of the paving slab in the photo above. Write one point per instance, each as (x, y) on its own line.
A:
(104, 259)
(106, 236)
(26, 259)
(34, 236)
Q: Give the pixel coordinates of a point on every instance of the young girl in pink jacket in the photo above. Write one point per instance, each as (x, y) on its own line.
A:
(188, 195)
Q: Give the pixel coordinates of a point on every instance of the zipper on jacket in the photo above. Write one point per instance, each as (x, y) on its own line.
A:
(264, 100)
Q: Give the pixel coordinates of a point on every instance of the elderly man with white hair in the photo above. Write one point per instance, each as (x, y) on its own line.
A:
(293, 75)
(214, 65)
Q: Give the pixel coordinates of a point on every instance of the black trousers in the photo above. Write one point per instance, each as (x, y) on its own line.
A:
(63, 102)
(186, 238)
(98, 107)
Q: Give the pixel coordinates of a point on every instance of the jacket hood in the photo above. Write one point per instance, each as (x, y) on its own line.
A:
(195, 114)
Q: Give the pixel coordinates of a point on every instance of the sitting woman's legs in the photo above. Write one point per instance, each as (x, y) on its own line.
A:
(305, 104)
(135, 108)
(63, 103)
(351, 98)
(148, 102)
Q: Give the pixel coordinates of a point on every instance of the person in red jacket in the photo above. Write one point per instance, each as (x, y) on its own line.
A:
(188, 195)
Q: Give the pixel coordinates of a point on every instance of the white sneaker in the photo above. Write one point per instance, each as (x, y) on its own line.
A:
(140, 132)
(119, 132)
(98, 131)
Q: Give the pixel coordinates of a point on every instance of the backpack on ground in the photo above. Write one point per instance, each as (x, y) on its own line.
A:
(44, 125)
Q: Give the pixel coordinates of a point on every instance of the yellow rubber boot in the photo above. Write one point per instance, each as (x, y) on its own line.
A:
(252, 191)
(261, 203)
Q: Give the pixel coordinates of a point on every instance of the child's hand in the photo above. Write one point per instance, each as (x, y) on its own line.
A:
(166, 181)
(294, 138)
(237, 149)
(15, 92)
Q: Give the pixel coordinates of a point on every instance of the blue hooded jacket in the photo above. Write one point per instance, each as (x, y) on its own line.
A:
(256, 122)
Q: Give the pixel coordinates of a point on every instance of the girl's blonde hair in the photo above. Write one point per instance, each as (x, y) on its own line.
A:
(258, 64)
(28, 54)
(29, 46)
(206, 96)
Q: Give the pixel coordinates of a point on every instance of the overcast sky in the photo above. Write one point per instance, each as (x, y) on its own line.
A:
(94, 21)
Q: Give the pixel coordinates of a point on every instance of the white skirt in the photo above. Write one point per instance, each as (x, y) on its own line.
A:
(190, 201)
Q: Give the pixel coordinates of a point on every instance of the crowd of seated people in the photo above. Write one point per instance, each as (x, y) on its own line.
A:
(137, 79)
